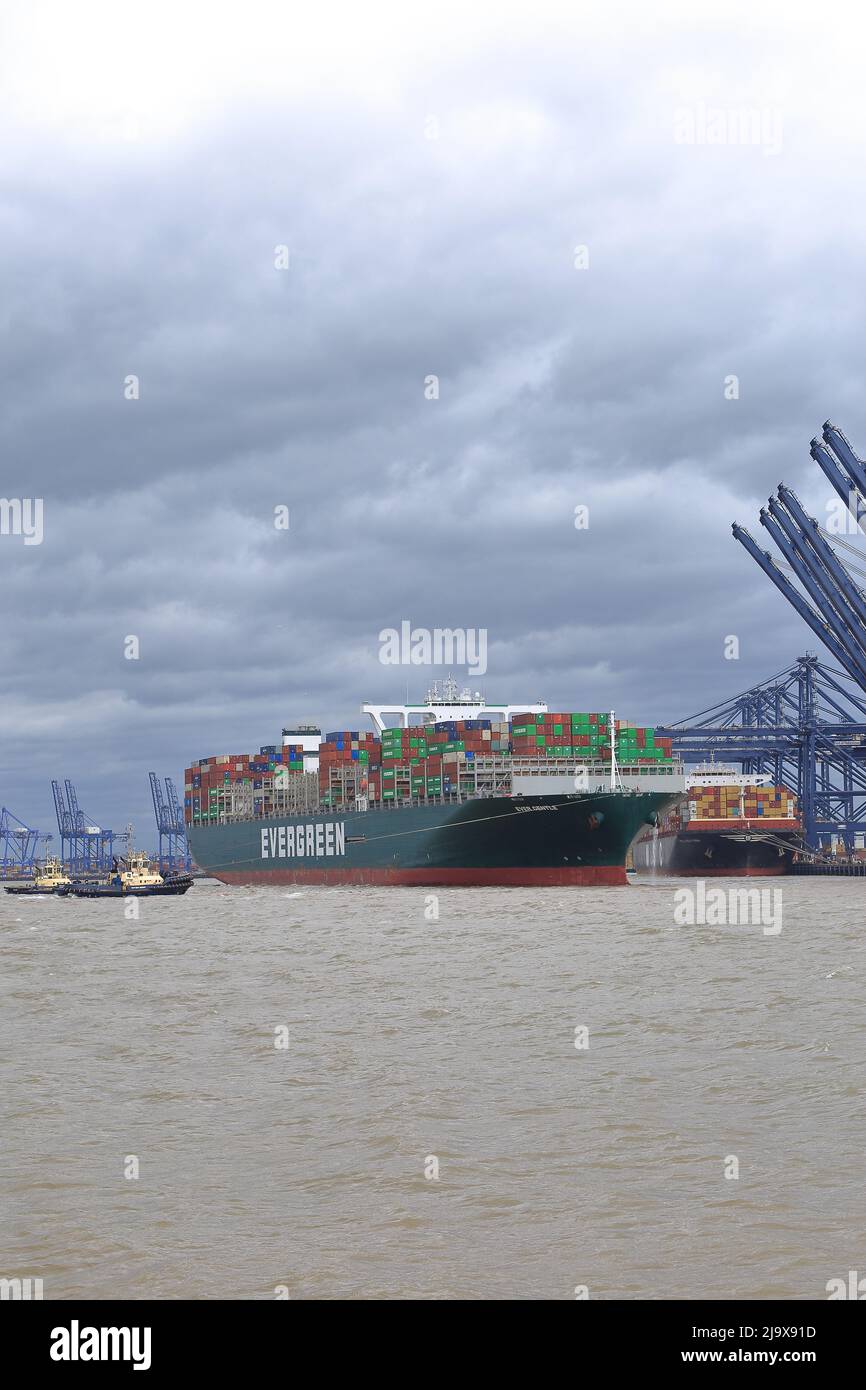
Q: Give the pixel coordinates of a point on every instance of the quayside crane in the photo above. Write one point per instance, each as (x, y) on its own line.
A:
(830, 600)
(19, 845)
(85, 846)
(806, 727)
(173, 847)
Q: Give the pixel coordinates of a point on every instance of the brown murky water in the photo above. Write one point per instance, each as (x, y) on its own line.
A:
(411, 1040)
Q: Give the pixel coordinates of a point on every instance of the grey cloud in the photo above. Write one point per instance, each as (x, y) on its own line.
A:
(408, 257)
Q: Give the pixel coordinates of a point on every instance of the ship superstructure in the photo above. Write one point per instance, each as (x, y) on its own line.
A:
(445, 702)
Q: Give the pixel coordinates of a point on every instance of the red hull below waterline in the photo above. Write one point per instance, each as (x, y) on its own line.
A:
(608, 875)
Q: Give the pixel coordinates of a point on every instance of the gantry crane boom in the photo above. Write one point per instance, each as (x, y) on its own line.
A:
(837, 611)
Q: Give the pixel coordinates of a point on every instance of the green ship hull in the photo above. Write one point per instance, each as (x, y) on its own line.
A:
(548, 840)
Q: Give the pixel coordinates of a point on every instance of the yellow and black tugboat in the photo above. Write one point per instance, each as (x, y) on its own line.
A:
(51, 878)
(132, 877)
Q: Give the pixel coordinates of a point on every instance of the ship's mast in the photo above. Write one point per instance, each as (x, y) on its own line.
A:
(614, 774)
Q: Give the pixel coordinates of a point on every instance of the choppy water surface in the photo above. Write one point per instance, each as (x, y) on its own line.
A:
(412, 1039)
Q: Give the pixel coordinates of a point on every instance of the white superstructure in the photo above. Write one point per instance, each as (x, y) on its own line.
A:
(449, 702)
(723, 775)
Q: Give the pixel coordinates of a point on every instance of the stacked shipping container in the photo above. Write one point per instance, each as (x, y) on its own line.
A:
(747, 803)
(206, 782)
(433, 760)
(430, 760)
(354, 755)
(585, 737)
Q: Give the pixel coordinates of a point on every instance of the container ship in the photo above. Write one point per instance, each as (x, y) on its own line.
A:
(453, 791)
(729, 824)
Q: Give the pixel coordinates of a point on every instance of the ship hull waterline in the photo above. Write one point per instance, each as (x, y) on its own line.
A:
(735, 851)
(530, 841)
(111, 890)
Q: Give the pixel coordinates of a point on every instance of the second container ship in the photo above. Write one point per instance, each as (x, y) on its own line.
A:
(728, 824)
(451, 792)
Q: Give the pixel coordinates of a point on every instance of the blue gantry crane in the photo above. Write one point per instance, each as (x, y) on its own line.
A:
(85, 846)
(19, 845)
(833, 605)
(806, 727)
(173, 847)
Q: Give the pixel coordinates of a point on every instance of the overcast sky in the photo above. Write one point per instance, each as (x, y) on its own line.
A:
(431, 171)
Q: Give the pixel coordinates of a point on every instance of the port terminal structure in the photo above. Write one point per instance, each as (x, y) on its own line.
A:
(807, 725)
(806, 728)
(84, 846)
(19, 846)
(173, 847)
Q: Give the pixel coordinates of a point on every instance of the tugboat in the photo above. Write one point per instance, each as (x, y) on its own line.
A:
(132, 877)
(51, 878)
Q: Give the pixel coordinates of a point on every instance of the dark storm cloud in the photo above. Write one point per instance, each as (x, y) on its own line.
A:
(409, 257)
